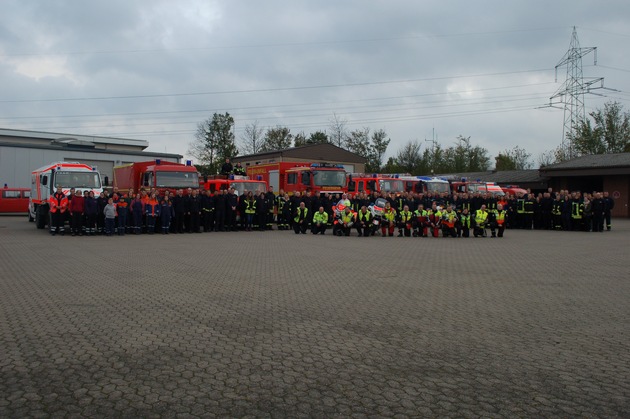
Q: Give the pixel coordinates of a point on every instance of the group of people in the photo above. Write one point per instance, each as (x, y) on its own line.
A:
(411, 214)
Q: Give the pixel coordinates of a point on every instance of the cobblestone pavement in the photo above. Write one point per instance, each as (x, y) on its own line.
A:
(277, 325)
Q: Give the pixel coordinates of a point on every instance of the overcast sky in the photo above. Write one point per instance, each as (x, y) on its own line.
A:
(420, 70)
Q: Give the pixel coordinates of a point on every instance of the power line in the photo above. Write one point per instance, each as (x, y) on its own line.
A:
(274, 45)
(291, 105)
(277, 89)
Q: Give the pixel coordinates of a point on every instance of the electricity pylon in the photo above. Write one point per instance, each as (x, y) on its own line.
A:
(572, 91)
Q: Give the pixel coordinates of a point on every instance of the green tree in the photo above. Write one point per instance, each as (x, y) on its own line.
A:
(409, 159)
(300, 139)
(464, 157)
(378, 147)
(214, 142)
(608, 133)
(277, 138)
(318, 137)
(371, 147)
(358, 142)
(514, 159)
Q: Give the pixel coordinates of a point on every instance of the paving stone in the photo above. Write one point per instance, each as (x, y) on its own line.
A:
(273, 325)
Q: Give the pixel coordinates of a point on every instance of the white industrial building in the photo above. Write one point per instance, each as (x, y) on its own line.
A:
(23, 151)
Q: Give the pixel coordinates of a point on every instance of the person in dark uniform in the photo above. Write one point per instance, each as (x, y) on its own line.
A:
(226, 168)
(609, 204)
(261, 211)
(194, 212)
(597, 209)
(219, 210)
(207, 211)
(230, 209)
(270, 198)
(528, 212)
(546, 204)
(179, 208)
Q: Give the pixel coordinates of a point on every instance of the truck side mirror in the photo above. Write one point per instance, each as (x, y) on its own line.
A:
(106, 181)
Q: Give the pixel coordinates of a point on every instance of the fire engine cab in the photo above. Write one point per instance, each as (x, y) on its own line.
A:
(361, 182)
(156, 174)
(65, 175)
(466, 186)
(425, 184)
(239, 183)
(318, 178)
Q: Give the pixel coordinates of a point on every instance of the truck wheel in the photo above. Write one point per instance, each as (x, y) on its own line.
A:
(40, 218)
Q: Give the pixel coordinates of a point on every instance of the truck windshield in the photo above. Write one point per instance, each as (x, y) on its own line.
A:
(329, 178)
(391, 185)
(439, 187)
(477, 187)
(70, 179)
(256, 187)
(177, 180)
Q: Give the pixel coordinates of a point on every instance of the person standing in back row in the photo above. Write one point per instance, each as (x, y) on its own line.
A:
(609, 204)
(77, 208)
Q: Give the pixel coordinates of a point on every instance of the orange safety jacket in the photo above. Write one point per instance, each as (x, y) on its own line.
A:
(59, 202)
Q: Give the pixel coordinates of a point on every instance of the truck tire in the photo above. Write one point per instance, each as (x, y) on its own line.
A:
(40, 217)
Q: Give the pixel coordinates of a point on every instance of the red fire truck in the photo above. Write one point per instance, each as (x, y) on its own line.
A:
(239, 183)
(478, 186)
(65, 175)
(317, 178)
(425, 184)
(361, 182)
(156, 174)
(514, 190)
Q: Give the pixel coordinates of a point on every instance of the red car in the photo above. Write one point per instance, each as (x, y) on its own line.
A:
(14, 200)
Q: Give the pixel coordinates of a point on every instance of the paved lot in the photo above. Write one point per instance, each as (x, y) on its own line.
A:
(277, 325)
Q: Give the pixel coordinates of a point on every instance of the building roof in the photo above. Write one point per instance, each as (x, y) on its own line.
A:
(501, 177)
(593, 161)
(320, 151)
(80, 148)
(82, 140)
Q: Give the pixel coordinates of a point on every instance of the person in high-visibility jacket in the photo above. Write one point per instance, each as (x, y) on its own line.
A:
(577, 213)
(320, 222)
(388, 220)
(405, 217)
(449, 218)
(344, 223)
(499, 217)
(420, 222)
(250, 211)
(365, 223)
(300, 219)
(435, 219)
(463, 227)
(481, 218)
(58, 205)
